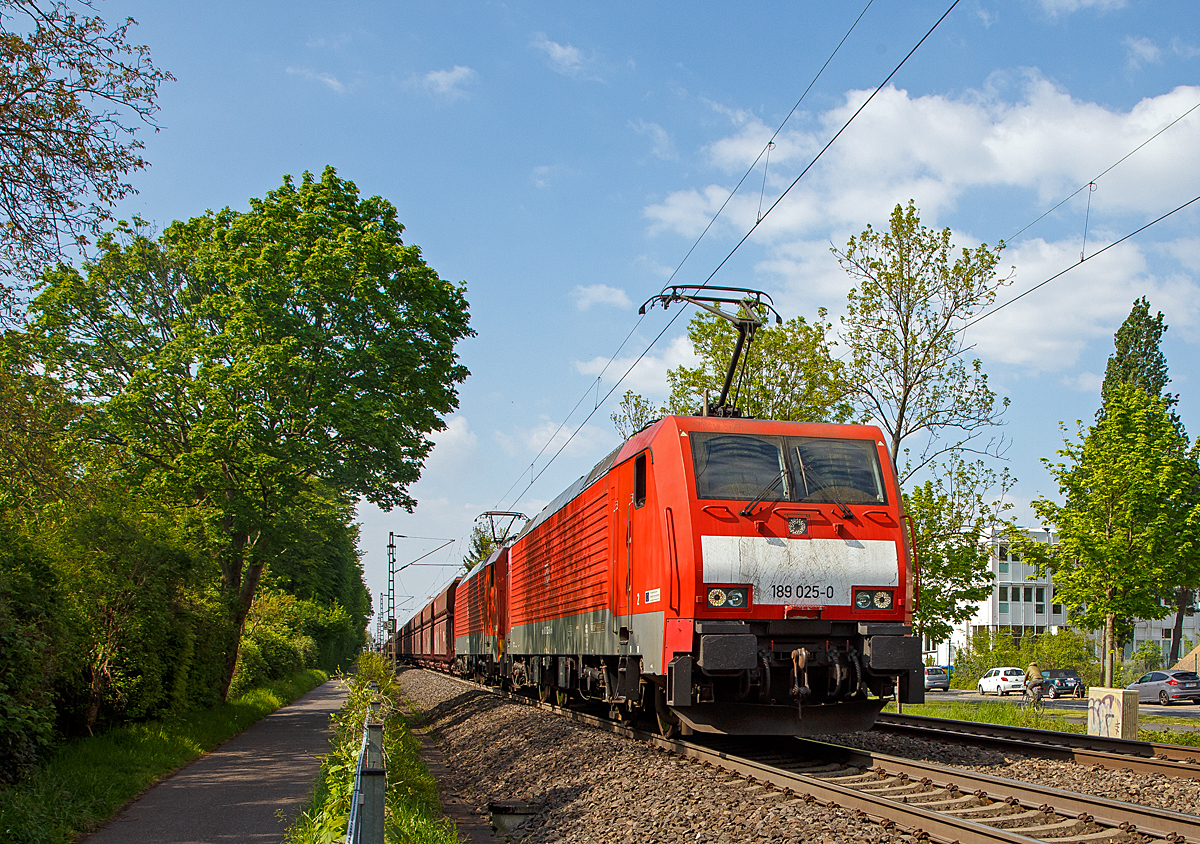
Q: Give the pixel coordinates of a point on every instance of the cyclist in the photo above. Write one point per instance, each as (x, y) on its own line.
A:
(1033, 681)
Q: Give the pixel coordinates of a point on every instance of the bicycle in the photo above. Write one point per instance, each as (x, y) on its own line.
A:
(1034, 700)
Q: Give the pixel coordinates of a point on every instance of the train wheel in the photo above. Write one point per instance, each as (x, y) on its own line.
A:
(561, 697)
(544, 692)
(668, 721)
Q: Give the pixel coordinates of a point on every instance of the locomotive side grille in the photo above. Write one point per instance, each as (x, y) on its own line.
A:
(561, 568)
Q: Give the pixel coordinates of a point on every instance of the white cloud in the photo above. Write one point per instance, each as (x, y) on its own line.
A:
(330, 81)
(561, 58)
(1050, 328)
(600, 294)
(1181, 48)
(1084, 382)
(935, 148)
(453, 448)
(1142, 51)
(1060, 7)
(447, 84)
(649, 375)
(547, 437)
(661, 145)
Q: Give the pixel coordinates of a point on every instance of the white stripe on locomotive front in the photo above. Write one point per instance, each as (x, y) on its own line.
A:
(819, 572)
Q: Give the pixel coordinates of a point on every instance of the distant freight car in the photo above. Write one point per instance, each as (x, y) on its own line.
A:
(725, 574)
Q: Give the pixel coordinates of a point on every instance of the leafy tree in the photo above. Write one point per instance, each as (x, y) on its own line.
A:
(787, 374)
(908, 371)
(634, 413)
(1138, 360)
(908, 368)
(951, 519)
(1127, 486)
(480, 546)
(244, 360)
(72, 89)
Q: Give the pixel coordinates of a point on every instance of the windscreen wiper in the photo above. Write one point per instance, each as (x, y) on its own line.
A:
(846, 514)
(749, 508)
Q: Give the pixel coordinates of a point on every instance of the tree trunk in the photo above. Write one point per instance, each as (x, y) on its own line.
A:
(239, 585)
(1183, 600)
(1110, 648)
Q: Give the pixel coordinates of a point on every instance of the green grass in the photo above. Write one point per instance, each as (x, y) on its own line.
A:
(413, 813)
(1011, 715)
(89, 779)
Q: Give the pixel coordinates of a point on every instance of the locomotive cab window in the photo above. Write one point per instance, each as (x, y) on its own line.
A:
(639, 480)
(816, 470)
(739, 467)
(838, 471)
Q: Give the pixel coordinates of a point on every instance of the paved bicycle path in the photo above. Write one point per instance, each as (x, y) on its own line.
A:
(246, 790)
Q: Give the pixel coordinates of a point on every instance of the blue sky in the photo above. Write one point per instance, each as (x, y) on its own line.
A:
(561, 159)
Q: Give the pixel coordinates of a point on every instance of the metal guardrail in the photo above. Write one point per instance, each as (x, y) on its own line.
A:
(370, 787)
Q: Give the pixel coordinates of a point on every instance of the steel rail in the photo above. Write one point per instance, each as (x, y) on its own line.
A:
(1142, 757)
(799, 767)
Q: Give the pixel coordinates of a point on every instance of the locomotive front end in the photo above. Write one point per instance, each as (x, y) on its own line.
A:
(803, 583)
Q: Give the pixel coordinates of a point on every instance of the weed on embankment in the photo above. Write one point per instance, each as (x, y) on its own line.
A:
(413, 813)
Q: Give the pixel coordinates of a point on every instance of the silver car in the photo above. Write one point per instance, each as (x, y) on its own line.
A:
(1167, 687)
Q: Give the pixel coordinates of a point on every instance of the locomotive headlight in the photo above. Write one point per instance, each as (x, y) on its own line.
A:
(863, 600)
(883, 600)
(728, 597)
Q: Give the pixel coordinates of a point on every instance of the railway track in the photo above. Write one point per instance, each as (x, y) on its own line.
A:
(1115, 754)
(934, 802)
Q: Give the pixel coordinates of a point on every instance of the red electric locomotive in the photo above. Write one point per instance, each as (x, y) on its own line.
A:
(735, 575)
(731, 575)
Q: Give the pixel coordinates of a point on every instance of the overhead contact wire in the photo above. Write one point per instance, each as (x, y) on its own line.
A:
(831, 142)
(772, 207)
(1106, 171)
(766, 148)
(638, 323)
(1095, 254)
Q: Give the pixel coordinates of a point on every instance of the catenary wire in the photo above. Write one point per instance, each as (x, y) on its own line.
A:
(638, 322)
(1105, 172)
(765, 148)
(831, 142)
(795, 181)
(1095, 254)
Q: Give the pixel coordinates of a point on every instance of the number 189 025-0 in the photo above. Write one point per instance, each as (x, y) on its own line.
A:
(801, 591)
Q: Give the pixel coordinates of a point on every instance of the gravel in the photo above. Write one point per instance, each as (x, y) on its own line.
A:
(596, 787)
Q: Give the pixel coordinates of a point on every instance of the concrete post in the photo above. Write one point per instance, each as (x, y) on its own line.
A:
(1112, 713)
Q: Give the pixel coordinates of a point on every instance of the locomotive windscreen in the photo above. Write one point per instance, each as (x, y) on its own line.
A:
(833, 471)
(817, 470)
(739, 467)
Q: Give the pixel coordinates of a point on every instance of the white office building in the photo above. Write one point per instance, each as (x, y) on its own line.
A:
(1024, 603)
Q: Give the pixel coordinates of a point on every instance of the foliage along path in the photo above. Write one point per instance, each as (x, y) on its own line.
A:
(248, 789)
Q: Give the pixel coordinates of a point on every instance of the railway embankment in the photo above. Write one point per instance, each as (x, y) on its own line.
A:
(589, 786)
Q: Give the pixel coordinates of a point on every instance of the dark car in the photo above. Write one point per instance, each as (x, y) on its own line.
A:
(1062, 682)
(1168, 686)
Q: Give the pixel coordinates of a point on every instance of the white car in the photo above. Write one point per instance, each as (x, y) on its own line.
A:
(1001, 681)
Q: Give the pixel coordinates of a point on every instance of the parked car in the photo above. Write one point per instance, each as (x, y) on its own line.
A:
(1001, 681)
(1062, 682)
(1167, 687)
(936, 678)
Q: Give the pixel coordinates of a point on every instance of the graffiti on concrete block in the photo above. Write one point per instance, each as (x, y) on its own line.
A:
(1104, 715)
